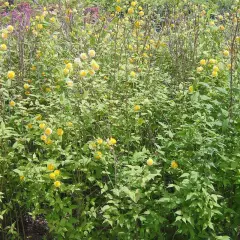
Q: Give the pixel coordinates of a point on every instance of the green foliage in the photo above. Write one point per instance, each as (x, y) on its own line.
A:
(138, 139)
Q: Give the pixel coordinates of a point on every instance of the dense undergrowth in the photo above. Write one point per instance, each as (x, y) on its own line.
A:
(120, 122)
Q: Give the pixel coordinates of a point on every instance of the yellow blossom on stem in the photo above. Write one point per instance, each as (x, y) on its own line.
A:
(50, 167)
(57, 184)
(174, 164)
(149, 162)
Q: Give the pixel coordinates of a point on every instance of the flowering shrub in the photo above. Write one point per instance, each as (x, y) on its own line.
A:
(120, 123)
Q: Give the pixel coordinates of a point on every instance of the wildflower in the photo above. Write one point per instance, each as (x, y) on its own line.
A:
(211, 23)
(220, 17)
(11, 74)
(137, 24)
(99, 141)
(59, 132)
(66, 71)
(83, 56)
(57, 172)
(3, 47)
(83, 73)
(33, 68)
(69, 83)
(10, 28)
(98, 155)
(52, 20)
(29, 126)
(134, 3)
(136, 108)
(4, 35)
(57, 184)
(39, 26)
(94, 65)
(48, 141)
(112, 141)
(199, 69)
(215, 68)
(130, 10)
(221, 28)
(132, 74)
(118, 9)
(21, 178)
(43, 137)
(52, 175)
(140, 8)
(6, 4)
(26, 86)
(48, 131)
(141, 13)
(212, 61)
(38, 117)
(91, 53)
(12, 103)
(42, 125)
(214, 74)
(77, 61)
(91, 72)
(69, 66)
(229, 66)
(50, 167)
(174, 164)
(190, 89)
(149, 162)
(203, 62)
(226, 53)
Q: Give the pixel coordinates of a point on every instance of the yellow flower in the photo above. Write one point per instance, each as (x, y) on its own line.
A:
(137, 24)
(38, 117)
(69, 66)
(11, 74)
(132, 74)
(174, 164)
(199, 69)
(12, 103)
(83, 56)
(6, 4)
(136, 108)
(10, 28)
(50, 167)
(203, 62)
(57, 184)
(226, 53)
(33, 68)
(112, 141)
(21, 178)
(69, 83)
(69, 124)
(212, 61)
(211, 23)
(42, 125)
(220, 17)
(26, 86)
(91, 72)
(59, 132)
(94, 65)
(99, 141)
(221, 28)
(52, 175)
(130, 11)
(48, 141)
(91, 53)
(118, 9)
(140, 8)
(229, 66)
(83, 73)
(48, 131)
(214, 74)
(98, 155)
(66, 71)
(190, 89)
(149, 162)
(52, 20)
(92, 145)
(215, 68)
(3, 47)
(40, 26)
(4, 35)
(57, 172)
(141, 13)
(29, 125)
(134, 3)
(43, 137)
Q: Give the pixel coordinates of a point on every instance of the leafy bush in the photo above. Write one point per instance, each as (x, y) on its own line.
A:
(120, 123)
